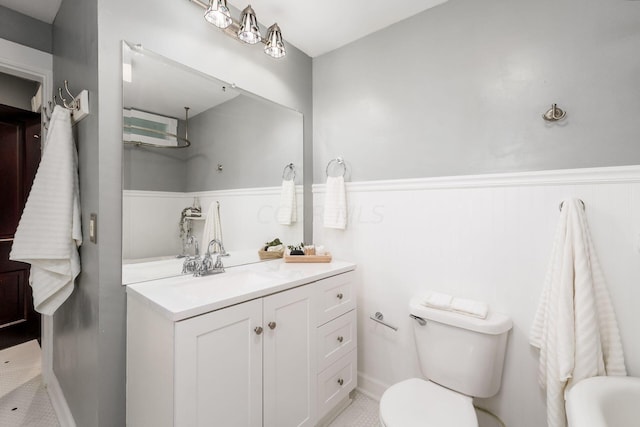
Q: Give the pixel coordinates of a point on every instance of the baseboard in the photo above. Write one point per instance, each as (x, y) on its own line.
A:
(59, 403)
(371, 387)
(337, 410)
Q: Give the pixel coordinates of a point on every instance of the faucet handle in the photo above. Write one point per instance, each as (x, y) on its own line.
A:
(218, 265)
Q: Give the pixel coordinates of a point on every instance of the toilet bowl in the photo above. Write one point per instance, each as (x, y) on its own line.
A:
(416, 402)
(460, 356)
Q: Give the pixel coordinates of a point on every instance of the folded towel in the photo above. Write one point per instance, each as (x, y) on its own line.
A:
(470, 307)
(438, 300)
(212, 226)
(335, 203)
(49, 233)
(287, 211)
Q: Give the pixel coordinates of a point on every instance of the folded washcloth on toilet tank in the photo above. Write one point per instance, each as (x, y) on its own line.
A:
(438, 300)
(446, 302)
(470, 307)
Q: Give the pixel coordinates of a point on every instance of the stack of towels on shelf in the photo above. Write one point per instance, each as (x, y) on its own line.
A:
(465, 306)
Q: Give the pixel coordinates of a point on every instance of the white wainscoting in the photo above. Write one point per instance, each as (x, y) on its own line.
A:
(486, 237)
(248, 217)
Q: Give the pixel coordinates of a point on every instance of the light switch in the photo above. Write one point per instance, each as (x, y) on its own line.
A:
(93, 228)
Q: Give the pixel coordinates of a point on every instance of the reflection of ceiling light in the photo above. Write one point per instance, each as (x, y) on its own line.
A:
(246, 30)
(218, 14)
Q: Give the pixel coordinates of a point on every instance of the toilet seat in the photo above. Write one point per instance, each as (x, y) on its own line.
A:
(419, 403)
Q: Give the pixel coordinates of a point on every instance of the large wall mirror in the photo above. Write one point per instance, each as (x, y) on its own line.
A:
(215, 168)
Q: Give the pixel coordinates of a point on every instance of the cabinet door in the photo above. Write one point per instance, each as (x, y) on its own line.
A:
(218, 368)
(289, 359)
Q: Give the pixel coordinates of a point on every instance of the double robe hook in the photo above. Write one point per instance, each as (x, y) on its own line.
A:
(69, 105)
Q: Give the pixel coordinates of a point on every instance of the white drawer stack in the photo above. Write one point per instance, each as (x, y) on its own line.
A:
(336, 340)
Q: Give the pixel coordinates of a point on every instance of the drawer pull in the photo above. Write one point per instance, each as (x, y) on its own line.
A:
(340, 339)
(272, 325)
(340, 295)
(340, 381)
(258, 330)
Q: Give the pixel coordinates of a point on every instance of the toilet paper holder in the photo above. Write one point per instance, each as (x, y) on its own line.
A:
(379, 317)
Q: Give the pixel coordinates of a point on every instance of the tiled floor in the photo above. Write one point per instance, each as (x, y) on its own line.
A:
(24, 401)
(363, 412)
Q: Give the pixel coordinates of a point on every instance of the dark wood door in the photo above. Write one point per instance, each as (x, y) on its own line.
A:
(19, 159)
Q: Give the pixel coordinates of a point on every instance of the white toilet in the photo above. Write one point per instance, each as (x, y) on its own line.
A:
(461, 357)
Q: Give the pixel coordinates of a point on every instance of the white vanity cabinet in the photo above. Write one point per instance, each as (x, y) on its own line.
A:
(269, 361)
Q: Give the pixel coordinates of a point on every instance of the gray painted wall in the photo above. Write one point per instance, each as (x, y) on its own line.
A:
(460, 89)
(252, 139)
(17, 92)
(78, 362)
(155, 169)
(25, 30)
(90, 328)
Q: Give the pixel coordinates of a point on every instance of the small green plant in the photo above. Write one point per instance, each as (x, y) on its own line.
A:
(296, 250)
(275, 242)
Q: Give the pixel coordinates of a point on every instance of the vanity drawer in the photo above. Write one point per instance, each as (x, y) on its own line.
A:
(336, 382)
(336, 338)
(337, 296)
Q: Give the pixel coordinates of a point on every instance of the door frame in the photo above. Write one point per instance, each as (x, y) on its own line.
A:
(22, 61)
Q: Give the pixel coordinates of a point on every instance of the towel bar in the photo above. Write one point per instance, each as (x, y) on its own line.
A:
(379, 317)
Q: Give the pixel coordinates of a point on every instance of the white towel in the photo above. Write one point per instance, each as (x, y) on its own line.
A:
(288, 210)
(49, 232)
(335, 203)
(438, 300)
(575, 326)
(470, 307)
(212, 226)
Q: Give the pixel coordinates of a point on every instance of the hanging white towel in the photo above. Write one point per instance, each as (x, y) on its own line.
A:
(335, 203)
(49, 232)
(212, 226)
(288, 210)
(575, 326)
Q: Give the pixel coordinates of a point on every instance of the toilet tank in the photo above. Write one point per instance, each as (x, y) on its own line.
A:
(460, 352)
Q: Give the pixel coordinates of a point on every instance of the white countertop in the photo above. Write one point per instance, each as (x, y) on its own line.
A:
(179, 298)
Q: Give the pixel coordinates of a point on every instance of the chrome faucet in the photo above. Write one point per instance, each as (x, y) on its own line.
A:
(207, 265)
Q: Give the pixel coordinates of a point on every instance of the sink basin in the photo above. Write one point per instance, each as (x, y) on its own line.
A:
(604, 402)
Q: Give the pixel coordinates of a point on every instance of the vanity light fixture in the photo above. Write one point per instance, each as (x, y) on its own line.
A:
(245, 30)
(275, 45)
(249, 31)
(218, 14)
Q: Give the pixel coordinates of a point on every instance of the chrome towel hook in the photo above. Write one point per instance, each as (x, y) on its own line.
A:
(584, 208)
(554, 114)
(292, 168)
(71, 105)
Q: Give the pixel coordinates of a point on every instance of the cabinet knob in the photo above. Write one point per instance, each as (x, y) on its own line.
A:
(339, 295)
(272, 325)
(258, 330)
(340, 339)
(340, 381)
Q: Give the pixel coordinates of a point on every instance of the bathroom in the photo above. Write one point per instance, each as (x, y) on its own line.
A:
(453, 177)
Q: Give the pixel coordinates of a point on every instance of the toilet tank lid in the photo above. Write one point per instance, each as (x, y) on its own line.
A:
(493, 324)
